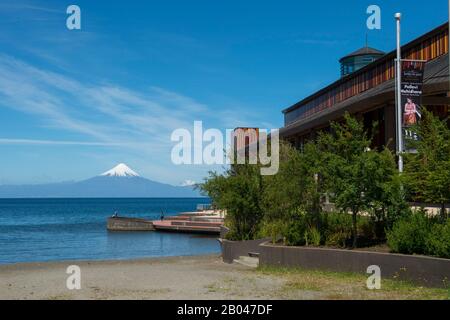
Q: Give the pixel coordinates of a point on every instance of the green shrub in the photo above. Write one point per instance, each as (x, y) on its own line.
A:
(371, 231)
(409, 234)
(437, 242)
(294, 233)
(292, 230)
(366, 228)
(313, 237)
(337, 229)
(274, 229)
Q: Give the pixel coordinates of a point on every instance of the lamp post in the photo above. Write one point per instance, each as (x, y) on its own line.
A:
(398, 103)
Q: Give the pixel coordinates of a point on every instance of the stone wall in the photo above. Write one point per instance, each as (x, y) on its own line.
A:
(423, 270)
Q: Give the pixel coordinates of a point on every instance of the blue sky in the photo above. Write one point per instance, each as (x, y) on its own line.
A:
(75, 103)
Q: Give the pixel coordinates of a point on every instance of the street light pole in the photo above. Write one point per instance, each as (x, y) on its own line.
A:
(398, 103)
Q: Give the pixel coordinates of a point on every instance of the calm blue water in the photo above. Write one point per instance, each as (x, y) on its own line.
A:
(72, 229)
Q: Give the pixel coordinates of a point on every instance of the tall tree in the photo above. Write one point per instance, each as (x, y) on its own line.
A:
(239, 191)
(427, 172)
(353, 173)
(294, 187)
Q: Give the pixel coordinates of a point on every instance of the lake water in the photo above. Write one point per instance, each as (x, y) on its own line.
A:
(74, 229)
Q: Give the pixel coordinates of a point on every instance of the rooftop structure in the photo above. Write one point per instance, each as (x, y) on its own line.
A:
(369, 93)
(359, 59)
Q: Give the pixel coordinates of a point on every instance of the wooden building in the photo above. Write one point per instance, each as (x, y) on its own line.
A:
(369, 93)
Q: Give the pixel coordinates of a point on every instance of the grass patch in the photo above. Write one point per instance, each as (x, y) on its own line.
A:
(345, 285)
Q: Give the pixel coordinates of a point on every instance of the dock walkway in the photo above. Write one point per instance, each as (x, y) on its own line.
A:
(187, 226)
(190, 222)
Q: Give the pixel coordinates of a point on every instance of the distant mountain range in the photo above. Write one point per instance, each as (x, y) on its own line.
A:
(119, 182)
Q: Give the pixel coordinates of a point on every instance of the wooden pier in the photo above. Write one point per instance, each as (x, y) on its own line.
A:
(187, 226)
(189, 222)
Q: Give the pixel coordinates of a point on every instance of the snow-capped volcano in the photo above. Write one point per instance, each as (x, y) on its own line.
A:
(119, 182)
(121, 170)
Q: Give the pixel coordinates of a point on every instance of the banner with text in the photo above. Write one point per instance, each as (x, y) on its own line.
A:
(411, 100)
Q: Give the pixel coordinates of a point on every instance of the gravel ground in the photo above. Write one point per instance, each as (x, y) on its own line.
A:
(203, 277)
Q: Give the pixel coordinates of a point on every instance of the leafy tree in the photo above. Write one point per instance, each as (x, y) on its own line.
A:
(292, 197)
(427, 173)
(295, 187)
(284, 201)
(239, 191)
(355, 175)
(386, 194)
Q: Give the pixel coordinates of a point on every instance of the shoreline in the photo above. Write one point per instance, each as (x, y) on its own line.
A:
(103, 261)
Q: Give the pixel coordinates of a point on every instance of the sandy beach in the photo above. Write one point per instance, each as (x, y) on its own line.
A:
(196, 277)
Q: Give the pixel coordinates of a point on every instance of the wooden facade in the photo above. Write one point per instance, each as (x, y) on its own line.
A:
(427, 47)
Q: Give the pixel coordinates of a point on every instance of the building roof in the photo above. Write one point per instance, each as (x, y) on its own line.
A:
(436, 79)
(388, 56)
(363, 51)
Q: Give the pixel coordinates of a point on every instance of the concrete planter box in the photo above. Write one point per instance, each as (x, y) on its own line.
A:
(427, 271)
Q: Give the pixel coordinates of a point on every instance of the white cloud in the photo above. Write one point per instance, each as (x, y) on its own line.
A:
(58, 143)
(105, 112)
(187, 183)
(108, 115)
